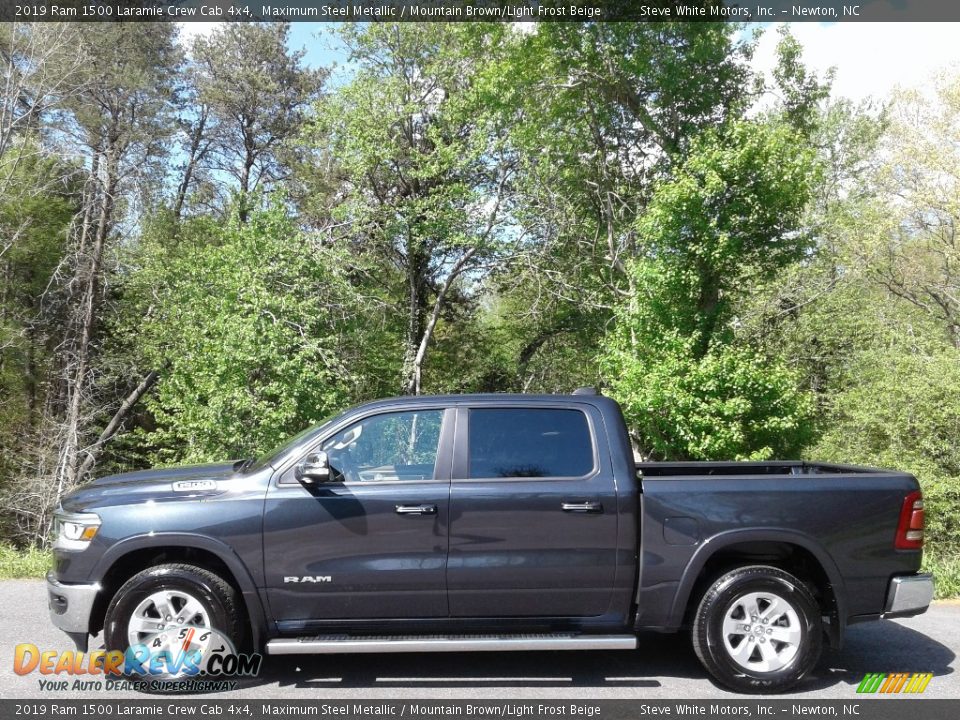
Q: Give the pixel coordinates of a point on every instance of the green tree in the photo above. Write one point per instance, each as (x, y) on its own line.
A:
(725, 220)
(911, 247)
(901, 409)
(801, 92)
(35, 221)
(253, 93)
(247, 322)
(423, 178)
(119, 118)
(598, 114)
(83, 118)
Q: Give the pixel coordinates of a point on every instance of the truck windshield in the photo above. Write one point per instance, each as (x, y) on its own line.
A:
(280, 450)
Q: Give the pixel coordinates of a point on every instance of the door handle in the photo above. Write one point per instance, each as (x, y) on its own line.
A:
(416, 509)
(582, 507)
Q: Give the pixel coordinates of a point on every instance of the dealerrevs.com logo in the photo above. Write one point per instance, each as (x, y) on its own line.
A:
(179, 659)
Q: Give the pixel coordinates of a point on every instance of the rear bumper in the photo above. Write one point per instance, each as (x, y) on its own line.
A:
(71, 606)
(909, 595)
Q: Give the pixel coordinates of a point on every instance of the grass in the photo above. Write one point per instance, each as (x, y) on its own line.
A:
(16, 563)
(946, 569)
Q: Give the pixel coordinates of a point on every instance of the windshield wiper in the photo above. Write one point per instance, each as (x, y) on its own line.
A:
(241, 465)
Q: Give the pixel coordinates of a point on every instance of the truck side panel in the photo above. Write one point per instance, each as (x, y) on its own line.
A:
(846, 521)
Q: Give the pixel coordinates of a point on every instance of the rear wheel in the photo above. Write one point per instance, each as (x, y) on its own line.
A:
(758, 629)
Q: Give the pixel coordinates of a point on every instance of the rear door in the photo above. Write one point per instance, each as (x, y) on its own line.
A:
(533, 513)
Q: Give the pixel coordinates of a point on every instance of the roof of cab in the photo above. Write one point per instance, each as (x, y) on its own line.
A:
(488, 399)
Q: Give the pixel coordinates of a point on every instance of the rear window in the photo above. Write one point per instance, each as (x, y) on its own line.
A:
(522, 442)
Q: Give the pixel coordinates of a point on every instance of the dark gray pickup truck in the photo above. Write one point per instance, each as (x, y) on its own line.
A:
(492, 522)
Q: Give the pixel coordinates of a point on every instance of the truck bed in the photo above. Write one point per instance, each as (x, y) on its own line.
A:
(842, 516)
(740, 469)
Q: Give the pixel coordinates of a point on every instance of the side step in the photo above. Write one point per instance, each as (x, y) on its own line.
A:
(333, 644)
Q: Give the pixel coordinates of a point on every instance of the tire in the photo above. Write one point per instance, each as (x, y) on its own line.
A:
(758, 629)
(198, 599)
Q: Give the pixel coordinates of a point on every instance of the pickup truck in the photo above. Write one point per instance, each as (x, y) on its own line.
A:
(492, 522)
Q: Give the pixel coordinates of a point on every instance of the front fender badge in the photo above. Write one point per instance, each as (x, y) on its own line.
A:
(194, 485)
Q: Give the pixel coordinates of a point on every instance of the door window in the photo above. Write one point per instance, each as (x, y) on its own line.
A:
(529, 442)
(394, 447)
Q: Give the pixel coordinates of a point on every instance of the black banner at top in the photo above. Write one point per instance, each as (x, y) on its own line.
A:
(479, 10)
(228, 706)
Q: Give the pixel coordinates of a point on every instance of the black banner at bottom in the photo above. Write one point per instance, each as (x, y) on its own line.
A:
(221, 708)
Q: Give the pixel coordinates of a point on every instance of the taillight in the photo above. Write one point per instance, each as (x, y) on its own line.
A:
(910, 527)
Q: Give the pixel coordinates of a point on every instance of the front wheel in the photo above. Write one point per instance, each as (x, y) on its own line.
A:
(174, 616)
(758, 629)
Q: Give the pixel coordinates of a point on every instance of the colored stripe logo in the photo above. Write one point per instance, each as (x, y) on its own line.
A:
(887, 683)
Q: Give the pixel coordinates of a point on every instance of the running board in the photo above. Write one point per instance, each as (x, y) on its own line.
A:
(333, 644)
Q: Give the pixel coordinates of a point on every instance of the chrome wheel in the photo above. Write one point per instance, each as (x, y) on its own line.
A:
(168, 620)
(762, 632)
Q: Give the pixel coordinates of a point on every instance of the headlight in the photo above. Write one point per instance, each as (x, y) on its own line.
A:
(75, 530)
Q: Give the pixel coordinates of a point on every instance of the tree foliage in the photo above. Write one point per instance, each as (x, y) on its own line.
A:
(204, 249)
(423, 188)
(247, 321)
(726, 220)
(252, 94)
(912, 247)
(597, 115)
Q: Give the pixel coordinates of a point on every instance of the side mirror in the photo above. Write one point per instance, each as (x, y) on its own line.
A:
(314, 468)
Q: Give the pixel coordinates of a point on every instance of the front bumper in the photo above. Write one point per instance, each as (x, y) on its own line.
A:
(909, 595)
(71, 606)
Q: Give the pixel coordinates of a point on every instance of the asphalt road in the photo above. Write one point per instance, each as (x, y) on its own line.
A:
(664, 667)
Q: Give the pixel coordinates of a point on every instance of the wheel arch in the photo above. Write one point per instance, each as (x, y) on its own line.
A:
(788, 550)
(130, 556)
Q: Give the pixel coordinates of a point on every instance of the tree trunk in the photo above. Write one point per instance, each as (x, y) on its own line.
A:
(416, 375)
(89, 198)
(32, 372)
(129, 402)
(89, 273)
(417, 262)
(246, 172)
(195, 155)
(530, 350)
(708, 306)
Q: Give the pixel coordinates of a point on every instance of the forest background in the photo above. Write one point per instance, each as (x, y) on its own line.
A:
(207, 244)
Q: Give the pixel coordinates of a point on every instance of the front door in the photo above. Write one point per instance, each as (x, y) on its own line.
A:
(371, 542)
(533, 515)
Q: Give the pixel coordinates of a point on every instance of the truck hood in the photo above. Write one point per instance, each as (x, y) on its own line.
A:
(190, 481)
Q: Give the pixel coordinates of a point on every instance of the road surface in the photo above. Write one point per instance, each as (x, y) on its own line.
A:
(664, 667)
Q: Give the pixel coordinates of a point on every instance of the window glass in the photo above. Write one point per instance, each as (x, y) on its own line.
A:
(521, 442)
(393, 446)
